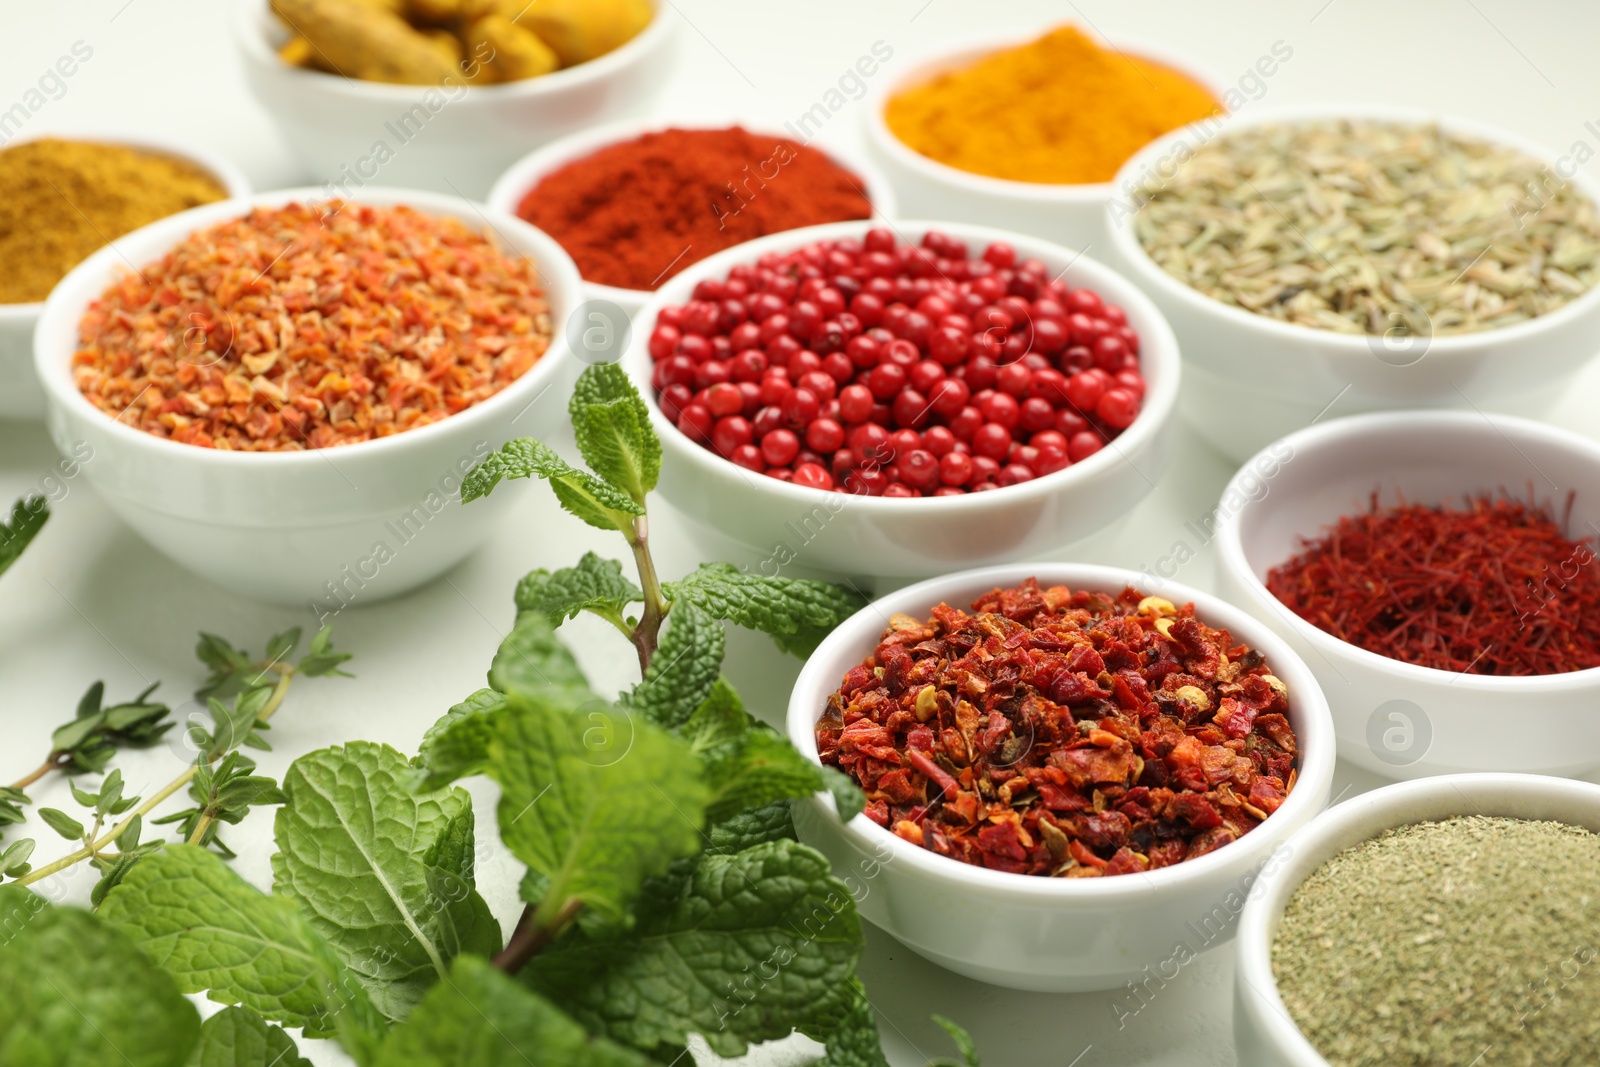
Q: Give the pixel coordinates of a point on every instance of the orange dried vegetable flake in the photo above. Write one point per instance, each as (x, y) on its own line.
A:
(308, 326)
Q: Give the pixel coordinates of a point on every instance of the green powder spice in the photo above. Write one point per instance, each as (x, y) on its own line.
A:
(1473, 941)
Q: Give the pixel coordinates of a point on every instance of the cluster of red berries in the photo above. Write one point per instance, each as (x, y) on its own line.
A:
(897, 370)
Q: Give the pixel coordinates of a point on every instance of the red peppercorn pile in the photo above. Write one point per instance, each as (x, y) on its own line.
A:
(1064, 733)
(889, 369)
(1495, 587)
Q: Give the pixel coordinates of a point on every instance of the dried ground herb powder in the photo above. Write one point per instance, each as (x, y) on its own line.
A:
(1474, 940)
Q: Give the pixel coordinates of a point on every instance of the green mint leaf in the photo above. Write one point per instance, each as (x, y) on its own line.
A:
(755, 945)
(595, 585)
(354, 845)
(62, 823)
(595, 801)
(963, 1040)
(238, 1037)
(28, 517)
(766, 768)
(482, 1018)
(457, 745)
(321, 659)
(751, 828)
(684, 668)
(589, 498)
(612, 425)
(798, 613)
(856, 1042)
(218, 934)
(533, 661)
(848, 799)
(74, 990)
(718, 726)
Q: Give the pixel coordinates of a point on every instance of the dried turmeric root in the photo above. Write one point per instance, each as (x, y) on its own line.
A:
(360, 39)
(581, 30)
(511, 52)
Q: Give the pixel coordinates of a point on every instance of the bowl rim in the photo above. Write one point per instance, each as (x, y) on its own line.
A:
(1387, 807)
(558, 278)
(527, 172)
(1314, 735)
(249, 29)
(954, 55)
(1150, 276)
(1158, 347)
(230, 177)
(1331, 436)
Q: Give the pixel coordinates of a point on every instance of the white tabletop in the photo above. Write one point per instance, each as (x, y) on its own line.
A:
(90, 600)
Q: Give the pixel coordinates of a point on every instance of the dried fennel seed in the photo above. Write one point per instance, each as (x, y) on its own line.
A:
(1373, 228)
(1470, 941)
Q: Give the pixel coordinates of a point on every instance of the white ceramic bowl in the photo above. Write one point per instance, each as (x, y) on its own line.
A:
(1249, 379)
(303, 528)
(749, 518)
(1263, 1030)
(462, 137)
(533, 168)
(1398, 719)
(1051, 934)
(20, 395)
(1073, 215)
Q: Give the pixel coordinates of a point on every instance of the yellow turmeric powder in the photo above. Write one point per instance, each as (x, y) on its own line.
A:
(1062, 110)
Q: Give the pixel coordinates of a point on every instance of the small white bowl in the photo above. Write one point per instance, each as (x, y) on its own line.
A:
(1397, 719)
(1249, 379)
(20, 395)
(749, 518)
(1264, 1032)
(536, 166)
(1024, 931)
(303, 528)
(1073, 215)
(452, 139)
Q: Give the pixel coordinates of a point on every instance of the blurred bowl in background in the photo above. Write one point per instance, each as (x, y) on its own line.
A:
(453, 139)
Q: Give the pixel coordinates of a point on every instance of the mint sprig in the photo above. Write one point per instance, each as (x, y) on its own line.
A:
(28, 517)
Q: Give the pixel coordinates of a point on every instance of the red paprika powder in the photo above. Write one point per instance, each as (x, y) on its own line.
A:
(635, 213)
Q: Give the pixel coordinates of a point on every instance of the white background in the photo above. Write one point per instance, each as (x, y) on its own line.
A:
(90, 600)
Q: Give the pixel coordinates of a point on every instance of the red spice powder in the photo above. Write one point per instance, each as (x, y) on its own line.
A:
(634, 214)
(308, 326)
(1065, 733)
(1494, 587)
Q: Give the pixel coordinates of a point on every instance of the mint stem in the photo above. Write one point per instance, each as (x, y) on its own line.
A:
(648, 632)
(531, 937)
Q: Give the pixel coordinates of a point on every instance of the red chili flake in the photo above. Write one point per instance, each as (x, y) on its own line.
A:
(1495, 587)
(1061, 732)
(307, 326)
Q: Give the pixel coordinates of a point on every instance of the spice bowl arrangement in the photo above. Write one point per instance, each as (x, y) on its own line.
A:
(992, 459)
(1358, 946)
(1464, 544)
(1251, 232)
(1070, 212)
(750, 180)
(455, 134)
(328, 478)
(20, 394)
(1125, 873)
